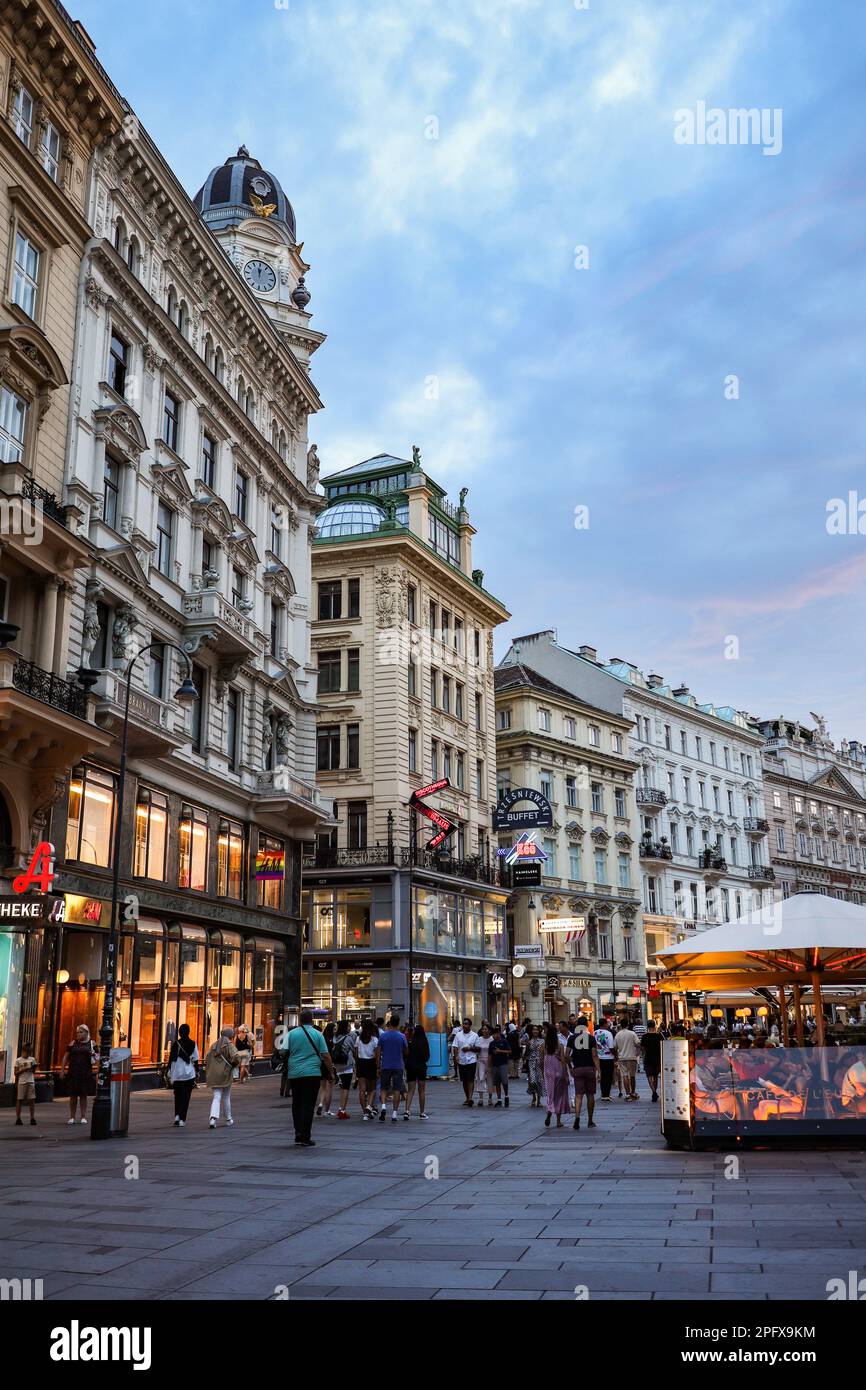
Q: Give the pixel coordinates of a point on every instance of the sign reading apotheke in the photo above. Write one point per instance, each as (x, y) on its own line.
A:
(540, 812)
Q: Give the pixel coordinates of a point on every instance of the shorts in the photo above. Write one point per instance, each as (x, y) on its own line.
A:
(365, 1068)
(417, 1073)
(584, 1081)
(344, 1080)
(499, 1074)
(26, 1090)
(392, 1079)
(628, 1068)
(467, 1071)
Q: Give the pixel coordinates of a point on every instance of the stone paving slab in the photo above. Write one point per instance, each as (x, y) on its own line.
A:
(237, 1214)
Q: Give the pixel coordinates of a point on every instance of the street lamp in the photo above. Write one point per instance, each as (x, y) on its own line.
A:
(185, 696)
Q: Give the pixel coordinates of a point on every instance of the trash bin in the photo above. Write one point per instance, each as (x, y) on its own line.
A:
(121, 1084)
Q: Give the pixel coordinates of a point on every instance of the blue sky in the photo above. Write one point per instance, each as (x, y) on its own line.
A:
(454, 258)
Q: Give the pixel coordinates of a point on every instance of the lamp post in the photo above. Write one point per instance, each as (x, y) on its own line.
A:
(185, 695)
(617, 908)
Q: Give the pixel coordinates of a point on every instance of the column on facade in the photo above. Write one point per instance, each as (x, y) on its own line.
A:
(65, 592)
(48, 624)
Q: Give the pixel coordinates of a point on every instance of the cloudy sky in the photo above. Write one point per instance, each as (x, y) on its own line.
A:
(447, 160)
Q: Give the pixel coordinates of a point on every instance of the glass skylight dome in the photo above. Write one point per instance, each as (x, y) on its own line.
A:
(350, 519)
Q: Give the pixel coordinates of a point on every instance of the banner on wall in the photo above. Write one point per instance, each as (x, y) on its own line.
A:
(270, 864)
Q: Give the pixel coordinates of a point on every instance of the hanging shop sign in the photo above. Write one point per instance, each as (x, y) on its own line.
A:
(525, 851)
(538, 813)
(526, 875)
(270, 865)
(417, 802)
(39, 872)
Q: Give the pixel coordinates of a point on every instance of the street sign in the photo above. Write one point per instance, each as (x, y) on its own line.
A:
(562, 924)
(534, 952)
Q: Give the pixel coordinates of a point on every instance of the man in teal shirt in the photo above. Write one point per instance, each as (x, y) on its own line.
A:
(306, 1052)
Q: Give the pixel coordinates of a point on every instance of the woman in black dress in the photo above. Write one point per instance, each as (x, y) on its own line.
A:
(417, 1057)
(77, 1067)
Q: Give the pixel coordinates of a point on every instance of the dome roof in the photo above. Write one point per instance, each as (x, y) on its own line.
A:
(350, 519)
(239, 189)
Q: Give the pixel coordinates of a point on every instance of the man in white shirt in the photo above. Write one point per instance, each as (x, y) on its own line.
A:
(465, 1046)
(627, 1048)
(606, 1057)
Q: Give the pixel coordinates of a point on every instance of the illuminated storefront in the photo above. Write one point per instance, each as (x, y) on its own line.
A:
(357, 959)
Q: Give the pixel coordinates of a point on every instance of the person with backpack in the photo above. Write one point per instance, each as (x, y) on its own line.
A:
(182, 1058)
(583, 1061)
(307, 1062)
(417, 1057)
(343, 1057)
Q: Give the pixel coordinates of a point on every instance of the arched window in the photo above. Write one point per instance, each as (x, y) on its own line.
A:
(183, 317)
(219, 365)
(273, 434)
(250, 405)
(120, 236)
(133, 254)
(281, 446)
(171, 304)
(242, 391)
(208, 352)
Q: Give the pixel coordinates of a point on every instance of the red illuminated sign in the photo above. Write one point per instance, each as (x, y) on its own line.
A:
(40, 871)
(444, 824)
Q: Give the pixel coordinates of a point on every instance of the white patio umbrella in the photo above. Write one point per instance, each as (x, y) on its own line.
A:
(808, 939)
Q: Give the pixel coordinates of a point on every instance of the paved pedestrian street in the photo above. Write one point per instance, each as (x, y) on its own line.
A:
(516, 1212)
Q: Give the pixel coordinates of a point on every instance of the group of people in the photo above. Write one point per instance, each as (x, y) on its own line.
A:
(568, 1061)
(78, 1070)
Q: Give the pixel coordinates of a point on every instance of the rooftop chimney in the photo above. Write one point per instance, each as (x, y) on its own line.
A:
(682, 690)
(653, 681)
(588, 653)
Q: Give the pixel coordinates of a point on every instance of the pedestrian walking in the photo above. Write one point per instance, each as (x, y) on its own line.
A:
(606, 1058)
(219, 1064)
(512, 1033)
(326, 1089)
(585, 1067)
(564, 1029)
(482, 1072)
(555, 1076)
(627, 1049)
(77, 1068)
(307, 1062)
(651, 1047)
(417, 1057)
(343, 1057)
(244, 1045)
(392, 1061)
(466, 1046)
(182, 1057)
(534, 1063)
(366, 1067)
(500, 1061)
(24, 1071)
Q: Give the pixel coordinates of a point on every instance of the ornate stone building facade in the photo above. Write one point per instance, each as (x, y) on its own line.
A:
(816, 806)
(49, 130)
(575, 752)
(190, 489)
(403, 641)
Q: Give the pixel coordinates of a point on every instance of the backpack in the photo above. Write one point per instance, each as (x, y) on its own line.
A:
(342, 1050)
(581, 1056)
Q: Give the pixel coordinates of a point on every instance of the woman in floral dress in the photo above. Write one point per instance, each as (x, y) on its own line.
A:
(534, 1057)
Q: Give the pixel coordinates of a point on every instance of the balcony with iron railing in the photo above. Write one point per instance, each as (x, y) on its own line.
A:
(655, 849)
(51, 689)
(650, 800)
(475, 868)
(755, 825)
(761, 873)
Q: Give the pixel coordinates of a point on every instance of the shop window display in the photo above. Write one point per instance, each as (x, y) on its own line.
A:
(230, 860)
(81, 987)
(151, 825)
(353, 906)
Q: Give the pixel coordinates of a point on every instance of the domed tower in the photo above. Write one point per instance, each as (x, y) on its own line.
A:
(245, 207)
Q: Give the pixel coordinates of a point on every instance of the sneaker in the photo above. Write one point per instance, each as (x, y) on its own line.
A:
(383, 1113)
(423, 1115)
(607, 1099)
(505, 1102)
(19, 1121)
(82, 1122)
(229, 1122)
(576, 1124)
(70, 1122)
(33, 1122)
(394, 1117)
(329, 1113)
(498, 1105)
(591, 1124)
(213, 1124)
(405, 1114)
(318, 1109)
(182, 1124)
(176, 1121)
(366, 1116)
(306, 1143)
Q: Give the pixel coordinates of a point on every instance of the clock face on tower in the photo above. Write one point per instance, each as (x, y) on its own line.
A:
(259, 276)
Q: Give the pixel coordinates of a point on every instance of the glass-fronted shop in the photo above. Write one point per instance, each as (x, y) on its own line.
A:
(168, 973)
(357, 959)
